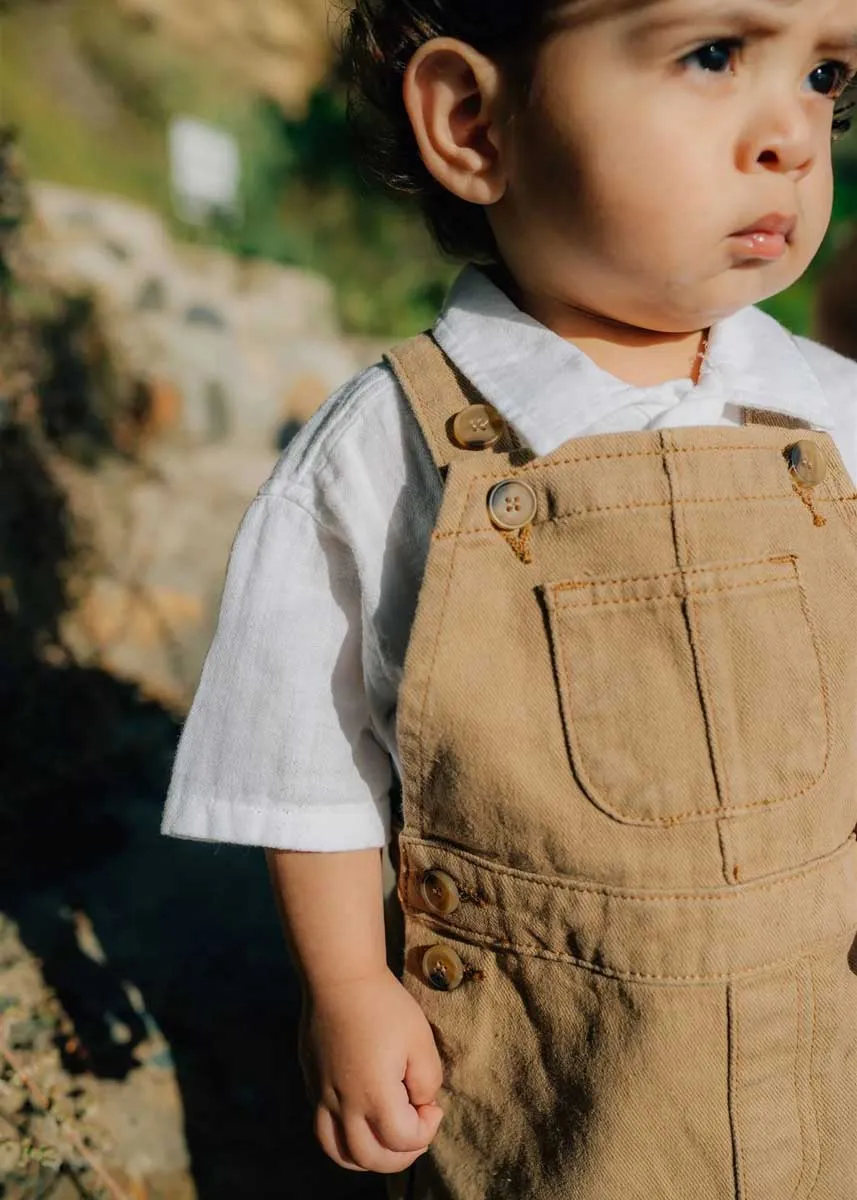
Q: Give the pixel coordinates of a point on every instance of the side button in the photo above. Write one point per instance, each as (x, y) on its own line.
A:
(439, 892)
(443, 969)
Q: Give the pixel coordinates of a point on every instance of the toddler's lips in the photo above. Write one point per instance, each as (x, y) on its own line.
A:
(768, 237)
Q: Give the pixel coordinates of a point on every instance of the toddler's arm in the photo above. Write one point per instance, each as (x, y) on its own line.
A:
(367, 1051)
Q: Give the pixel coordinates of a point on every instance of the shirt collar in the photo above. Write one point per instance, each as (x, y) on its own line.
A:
(550, 390)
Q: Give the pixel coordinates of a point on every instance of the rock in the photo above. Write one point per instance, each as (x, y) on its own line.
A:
(161, 538)
(10, 1155)
(152, 296)
(222, 348)
(65, 1190)
(141, 1117)
(155, 412)
(202, 314)
(282, 48)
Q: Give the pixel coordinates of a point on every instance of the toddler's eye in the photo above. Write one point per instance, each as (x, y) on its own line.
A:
(716, 58)
(830, 79)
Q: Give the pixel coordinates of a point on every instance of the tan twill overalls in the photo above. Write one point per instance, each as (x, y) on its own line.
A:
(628, 728)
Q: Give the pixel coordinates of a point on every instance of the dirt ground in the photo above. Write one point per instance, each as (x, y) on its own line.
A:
(146, 1000)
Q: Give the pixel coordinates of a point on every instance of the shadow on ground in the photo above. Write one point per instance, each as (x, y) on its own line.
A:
(192, 926)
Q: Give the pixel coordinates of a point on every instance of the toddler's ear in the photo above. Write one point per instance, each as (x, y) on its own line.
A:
(453, 95)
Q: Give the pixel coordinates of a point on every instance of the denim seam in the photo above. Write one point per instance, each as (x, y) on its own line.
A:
(573, 514)
(420, 730)
(539, 882)
(810, 980)
(733, 1090)
(700, 570)
(688, 595)
(486, 942)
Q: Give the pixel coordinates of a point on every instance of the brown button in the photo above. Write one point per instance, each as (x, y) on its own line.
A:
(512, 504)
(442, 968)
(440, 892)
(477, 427)
(807, 463)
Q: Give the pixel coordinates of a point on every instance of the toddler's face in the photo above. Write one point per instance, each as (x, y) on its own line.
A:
(674, 162)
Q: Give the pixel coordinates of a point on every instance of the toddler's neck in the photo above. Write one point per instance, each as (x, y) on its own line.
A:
(640, 357)
(648, 360)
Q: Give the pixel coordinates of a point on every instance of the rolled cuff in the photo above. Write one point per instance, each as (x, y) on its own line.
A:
(334, 827)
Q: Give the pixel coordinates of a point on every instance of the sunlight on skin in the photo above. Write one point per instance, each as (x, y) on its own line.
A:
(671, 164)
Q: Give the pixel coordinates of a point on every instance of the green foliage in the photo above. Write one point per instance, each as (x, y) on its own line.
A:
(98, 145)
(304, 201)
(306, 205)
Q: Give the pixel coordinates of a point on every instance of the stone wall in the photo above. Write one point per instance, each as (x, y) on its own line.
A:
(224, 355)
(229, 349)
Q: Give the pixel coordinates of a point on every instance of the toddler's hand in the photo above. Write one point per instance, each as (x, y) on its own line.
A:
(373, 1072)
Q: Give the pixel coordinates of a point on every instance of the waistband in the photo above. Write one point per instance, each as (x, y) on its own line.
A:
(658, 937)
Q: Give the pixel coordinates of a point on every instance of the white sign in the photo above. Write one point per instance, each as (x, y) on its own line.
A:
(205, 170)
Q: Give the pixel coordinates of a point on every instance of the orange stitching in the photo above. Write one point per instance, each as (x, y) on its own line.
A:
(581, 458)
(840, 505)
(708, 709)
(822, 678)
(813, 1106)
(679, 527)
(419, 732)
(668, 822)
(734, 1088)
(723, 447)
(691, 592)
(806, 497)
(800, 1037)
(520, 543)
(729, 566)
(490, 943)
(727, 854)
(582, 512)
(537, 881)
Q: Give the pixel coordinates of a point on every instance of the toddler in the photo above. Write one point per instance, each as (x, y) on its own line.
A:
(561, 599)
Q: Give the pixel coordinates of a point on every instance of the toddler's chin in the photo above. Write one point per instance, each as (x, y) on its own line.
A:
(738, 290)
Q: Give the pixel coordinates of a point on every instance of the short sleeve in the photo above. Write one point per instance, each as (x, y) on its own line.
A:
(278, 748)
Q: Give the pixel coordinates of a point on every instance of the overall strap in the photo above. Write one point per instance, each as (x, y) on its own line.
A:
(438, 393)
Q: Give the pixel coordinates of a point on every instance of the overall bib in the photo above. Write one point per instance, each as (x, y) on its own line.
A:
(627, 865)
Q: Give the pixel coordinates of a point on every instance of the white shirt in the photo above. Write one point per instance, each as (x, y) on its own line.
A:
(290, 742)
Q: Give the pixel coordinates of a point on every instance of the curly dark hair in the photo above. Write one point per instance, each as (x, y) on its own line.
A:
(380, 39)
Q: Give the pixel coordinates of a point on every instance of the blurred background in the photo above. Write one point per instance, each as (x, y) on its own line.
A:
(189, 264)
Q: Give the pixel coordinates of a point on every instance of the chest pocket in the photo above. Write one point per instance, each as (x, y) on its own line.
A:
(692, 693)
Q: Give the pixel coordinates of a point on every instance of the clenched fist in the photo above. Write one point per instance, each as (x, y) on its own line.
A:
(373, 1073)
